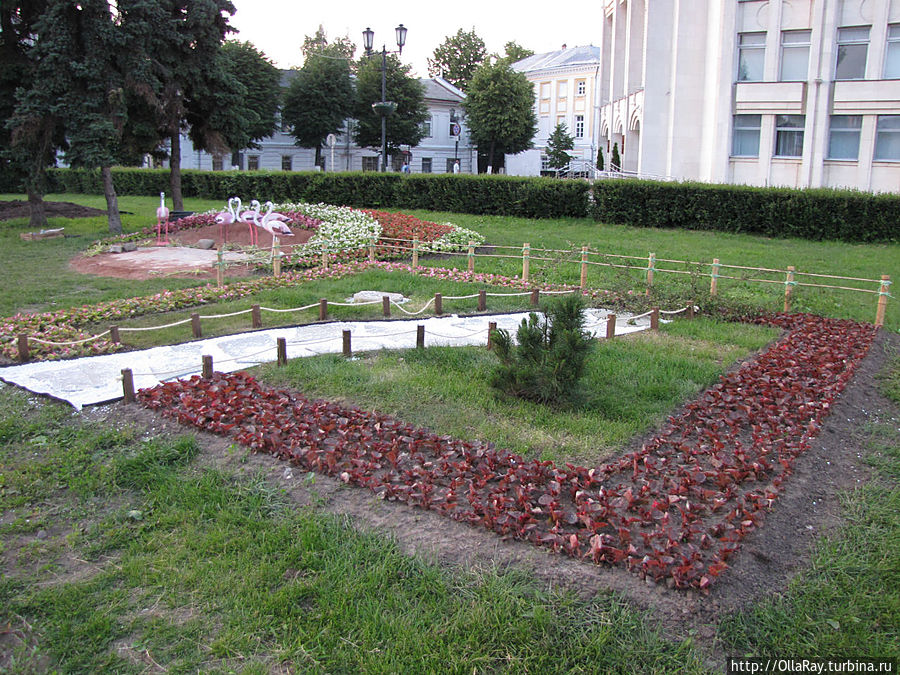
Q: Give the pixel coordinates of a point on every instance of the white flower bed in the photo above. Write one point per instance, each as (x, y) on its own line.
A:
(458, 240)
(342, 228)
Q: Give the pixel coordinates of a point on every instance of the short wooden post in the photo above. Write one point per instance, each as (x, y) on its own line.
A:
(207, 366)
(372, 249)
(420, 336)
(584, 256)
(255, 316)
(323, 309)
(651, 268)
(415, 259)
(276, 258)
(492, 326)
(882, 300)
(220, 267)
(114, 334)
(654, 319)
(535, 297)
(281, 351)
(347, 350)
(471, 266)
(526, 254)
(385, 305)
(195, 325)
(788, 287)
(690, 310)
(438, 304)
(482, 300)
(610, 326)
(23, 347)
(714, 277)
(128, 385)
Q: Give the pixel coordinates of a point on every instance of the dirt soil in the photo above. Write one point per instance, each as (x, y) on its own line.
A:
(21, 209)
(807, 510)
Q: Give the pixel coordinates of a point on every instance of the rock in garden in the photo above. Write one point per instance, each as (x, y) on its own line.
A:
(115, 248)
(206, 244)
(129, 246)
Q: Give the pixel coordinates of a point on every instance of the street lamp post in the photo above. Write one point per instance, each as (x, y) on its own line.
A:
(384, 107)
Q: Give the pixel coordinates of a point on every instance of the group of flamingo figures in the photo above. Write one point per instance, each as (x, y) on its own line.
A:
(272, 222)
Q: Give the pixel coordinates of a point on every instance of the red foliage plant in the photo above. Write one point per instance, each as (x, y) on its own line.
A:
(673, 511)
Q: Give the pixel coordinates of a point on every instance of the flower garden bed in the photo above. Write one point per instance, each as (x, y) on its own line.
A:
(675, 511)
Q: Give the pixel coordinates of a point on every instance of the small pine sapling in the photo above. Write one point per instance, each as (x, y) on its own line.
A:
(615, 162)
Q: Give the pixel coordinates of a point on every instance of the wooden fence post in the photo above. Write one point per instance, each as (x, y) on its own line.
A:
(276, 258)
(420, 336)
(690, 310)
(128, 385)
(535, 297)
(23, 347)
(526, 254)
(195, 325)
(882, 299)
(372, 249)
(610, 326)
(471, 266)
(438, 304)
(323, 309)
(348, 352)
(651, 268)
(654, 319)
(385, 305)
(220, 268)
(255, 316)
(584, 253)
(114, 334)
(207, 366)
(482, 300)
(788, 284)
(714, 277)
(492, 326)
(281, 350)
(415, 259)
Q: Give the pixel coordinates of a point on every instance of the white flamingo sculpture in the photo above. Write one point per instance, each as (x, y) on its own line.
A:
(162, 219)
(227, 217)
(250, 218)
(273, 222)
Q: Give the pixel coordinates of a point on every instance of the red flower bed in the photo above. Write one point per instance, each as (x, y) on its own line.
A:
(673, 511)
(402, 226)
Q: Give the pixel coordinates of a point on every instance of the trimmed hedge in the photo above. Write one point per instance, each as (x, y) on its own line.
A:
(844, 215)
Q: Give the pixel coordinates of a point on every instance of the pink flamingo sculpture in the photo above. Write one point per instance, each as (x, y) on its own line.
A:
(226, 218)
(250, 217)
(273, 222)
(162, 218)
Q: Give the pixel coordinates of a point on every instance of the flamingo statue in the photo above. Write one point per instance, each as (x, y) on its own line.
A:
(162, 218)
(227, 217)
(274, 223)
(250, 217)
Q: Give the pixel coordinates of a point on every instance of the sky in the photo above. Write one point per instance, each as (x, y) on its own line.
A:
(277, 27)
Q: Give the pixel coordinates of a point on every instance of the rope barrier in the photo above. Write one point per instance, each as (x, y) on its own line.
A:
(168, 325)
(74, 342)
(225, 316)
(675, 311)
(293, 309)
(400, 307)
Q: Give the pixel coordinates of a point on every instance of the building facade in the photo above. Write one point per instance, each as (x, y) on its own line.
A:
(446, 140)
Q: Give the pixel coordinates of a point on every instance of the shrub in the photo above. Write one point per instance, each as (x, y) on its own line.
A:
(549, 360)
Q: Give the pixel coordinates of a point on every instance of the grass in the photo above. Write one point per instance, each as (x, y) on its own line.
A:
(630, 385)
(164, 562)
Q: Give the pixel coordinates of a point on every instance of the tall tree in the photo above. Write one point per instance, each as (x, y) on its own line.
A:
(515, 52)
(318, 100)
(500, 110)
(341, 48)
(557, 145)
(404, 124)
(457, 58)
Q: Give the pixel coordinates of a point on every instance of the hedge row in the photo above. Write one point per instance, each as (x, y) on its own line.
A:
(844, 215)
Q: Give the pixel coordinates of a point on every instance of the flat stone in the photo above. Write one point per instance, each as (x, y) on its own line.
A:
(116, 248)
(206, 244)
(374, 296)
(129, 246)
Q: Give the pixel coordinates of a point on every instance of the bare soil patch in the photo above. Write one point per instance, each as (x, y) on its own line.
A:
(20, 209)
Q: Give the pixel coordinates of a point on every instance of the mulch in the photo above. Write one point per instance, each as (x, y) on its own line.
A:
(21, 209)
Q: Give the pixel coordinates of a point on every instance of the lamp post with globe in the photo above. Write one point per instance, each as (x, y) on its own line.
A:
(384, 107)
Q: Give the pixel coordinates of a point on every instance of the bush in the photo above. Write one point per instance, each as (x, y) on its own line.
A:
(549, 360)
(844, 215)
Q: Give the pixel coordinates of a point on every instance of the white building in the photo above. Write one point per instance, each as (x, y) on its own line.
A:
(446, 140)
(800, 93)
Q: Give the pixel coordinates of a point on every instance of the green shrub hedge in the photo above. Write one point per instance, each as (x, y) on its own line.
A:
(844, 215)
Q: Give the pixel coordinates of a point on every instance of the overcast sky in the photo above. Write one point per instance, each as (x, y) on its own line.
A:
(277, 27)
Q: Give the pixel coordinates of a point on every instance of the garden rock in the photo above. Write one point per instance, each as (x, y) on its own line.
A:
(375, 296)
(115, 248)
(206, 244)
(129, 246)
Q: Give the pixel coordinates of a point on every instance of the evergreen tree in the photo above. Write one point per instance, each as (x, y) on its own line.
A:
(557, 145)
(615, 162)
(458, 57)
(599, 159)
(404, 124)
(500, 110)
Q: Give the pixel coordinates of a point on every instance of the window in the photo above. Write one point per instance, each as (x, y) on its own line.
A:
(217, 162)
(545, 90)
(562, 89)
(789, 135)
(287, 162)
(545, 163)
(887, 138)
(426, 165)
(253, 163)
(580, 88)
(843, 139)
(751, 56)
(370, 163)
(853, 45)
(794, 55)
(892, 53)
(426, 127)
(579, 126)
(745, 137)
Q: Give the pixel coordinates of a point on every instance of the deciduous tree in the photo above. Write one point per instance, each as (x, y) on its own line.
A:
(458, 57)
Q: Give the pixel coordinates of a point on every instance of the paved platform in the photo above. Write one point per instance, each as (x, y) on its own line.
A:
(98, 379)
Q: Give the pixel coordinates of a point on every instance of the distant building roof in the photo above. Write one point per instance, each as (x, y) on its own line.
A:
(573, 56)
(439, 89)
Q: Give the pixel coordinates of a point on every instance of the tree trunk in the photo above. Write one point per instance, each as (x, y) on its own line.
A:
(318, 155)
(38, 219)
(112, 201)
(175, 172)
(491, 156)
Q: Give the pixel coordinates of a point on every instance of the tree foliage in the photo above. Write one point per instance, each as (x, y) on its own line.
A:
(557, 145)
(458, 57)
(404, 125)
(615, 162)
(515, 52)
(260, 100)
(341, 48)
(500, 110)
